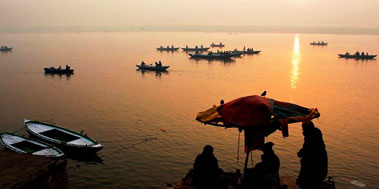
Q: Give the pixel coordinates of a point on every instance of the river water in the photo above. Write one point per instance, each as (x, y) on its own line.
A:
(118, 105)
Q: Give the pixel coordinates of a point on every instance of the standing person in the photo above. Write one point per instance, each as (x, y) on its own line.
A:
(205, 168)
(314, 158)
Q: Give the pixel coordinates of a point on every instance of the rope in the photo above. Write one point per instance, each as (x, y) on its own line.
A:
(18, 130)
(144, 139)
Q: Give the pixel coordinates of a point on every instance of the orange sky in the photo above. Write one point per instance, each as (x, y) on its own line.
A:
(36, 13)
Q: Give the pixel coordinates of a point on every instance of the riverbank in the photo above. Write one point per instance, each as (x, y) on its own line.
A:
(27, 171)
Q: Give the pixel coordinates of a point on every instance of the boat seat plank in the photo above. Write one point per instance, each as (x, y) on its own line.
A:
(38, 128)
(9, 139)
(46, 151)
(81, 141)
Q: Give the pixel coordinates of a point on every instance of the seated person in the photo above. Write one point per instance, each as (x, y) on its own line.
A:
(265, 174)
(206, 170)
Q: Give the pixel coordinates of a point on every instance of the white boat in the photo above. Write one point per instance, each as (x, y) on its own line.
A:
(21, 144)
(65, 138)
(151, 67)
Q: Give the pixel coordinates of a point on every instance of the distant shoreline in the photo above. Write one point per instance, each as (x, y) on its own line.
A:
(198, 28)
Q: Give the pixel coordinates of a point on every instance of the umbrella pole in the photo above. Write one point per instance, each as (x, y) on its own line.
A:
(247, 160)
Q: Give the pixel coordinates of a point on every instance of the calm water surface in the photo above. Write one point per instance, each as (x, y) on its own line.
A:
(117, 105)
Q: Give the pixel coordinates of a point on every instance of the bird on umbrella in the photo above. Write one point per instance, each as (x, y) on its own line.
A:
(264, 93)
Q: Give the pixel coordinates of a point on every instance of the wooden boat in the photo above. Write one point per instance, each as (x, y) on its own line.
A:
(212, 55)
(151, 67)
(249, 51)
(357, 56)
(65, 138)
(5, 48)
(217, 45)
(319, 44)
(53, 70)
(196, 49)
(167, 48)
(21, 144)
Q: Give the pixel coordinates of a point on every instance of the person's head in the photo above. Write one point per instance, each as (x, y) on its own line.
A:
(307, 127)
(267, 147)
(208, 149)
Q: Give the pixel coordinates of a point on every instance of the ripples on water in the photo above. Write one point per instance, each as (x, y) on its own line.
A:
(117, 104)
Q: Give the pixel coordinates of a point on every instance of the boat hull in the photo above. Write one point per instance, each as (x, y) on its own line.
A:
(58, 71)
(5, 49)
(154, 68)
(63, 138)
(168, 49)
(213, 56)
(21, 144)
(195, 49)
(357, 57)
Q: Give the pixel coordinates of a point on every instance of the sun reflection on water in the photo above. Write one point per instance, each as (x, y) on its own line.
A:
(295, 62)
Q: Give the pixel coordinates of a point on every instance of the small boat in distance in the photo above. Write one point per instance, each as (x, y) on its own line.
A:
(168, 48)
(247, 51)
(5, 48)
(157, 67)
(212, 55)
(65, 138)
(357, 55)
(59, 70)
(322, 43)
(21, 144)
(217, 45)
(201, 48)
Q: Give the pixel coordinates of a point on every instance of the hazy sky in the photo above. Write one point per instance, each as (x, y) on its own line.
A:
(37, 13)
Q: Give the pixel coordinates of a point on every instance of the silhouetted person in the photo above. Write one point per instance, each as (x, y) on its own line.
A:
(267, 171)
(314, 158)
(60, 67)
(67, 67)
(143, 63)
(206, 170)
(357, 53)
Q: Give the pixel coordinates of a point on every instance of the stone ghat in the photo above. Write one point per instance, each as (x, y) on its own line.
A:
(28, 171)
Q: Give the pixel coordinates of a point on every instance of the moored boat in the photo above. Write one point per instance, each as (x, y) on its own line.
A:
(355, 56)
(21, 144)
(151, 67)
(65, 138)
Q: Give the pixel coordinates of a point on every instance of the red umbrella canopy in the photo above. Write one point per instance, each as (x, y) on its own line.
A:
(255, 110)
(259, 116)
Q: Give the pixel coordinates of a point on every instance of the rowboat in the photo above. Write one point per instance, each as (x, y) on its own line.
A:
(53, 70)
(65, 138)
(217, 45)
(167, 48)
(196, 49)
(21, 144)
(212, 56)
(5, 48)
(319, 44)
(150, 67)
(357, 56)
